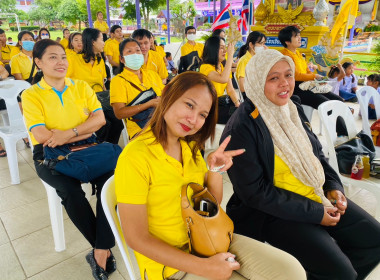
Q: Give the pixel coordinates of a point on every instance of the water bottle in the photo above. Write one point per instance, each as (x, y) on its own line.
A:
(357, 168)
(367, 166)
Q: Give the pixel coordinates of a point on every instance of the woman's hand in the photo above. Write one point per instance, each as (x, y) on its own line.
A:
(222, 158)
(230, 50)
(154, 102)
(338, 199)
(59, 137)
(330, 217)
(219, 268)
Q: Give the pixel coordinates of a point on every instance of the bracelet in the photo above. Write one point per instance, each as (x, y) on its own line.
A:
(76, 132)
(217, 169)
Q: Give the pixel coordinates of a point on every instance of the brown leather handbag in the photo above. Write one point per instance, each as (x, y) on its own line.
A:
(209, 228)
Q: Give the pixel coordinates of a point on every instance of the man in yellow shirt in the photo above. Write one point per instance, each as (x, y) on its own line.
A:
(112, 50)
(65, 41)
(191, 45)
(5, 55)
(152, 60)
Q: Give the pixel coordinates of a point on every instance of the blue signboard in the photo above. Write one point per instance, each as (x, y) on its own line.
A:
(210, 13)
(275, 42)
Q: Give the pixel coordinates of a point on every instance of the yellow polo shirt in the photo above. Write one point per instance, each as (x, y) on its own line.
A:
(187, 48)
(161, 51)
(65, 43)
(207, 69)
(69, 52)
(156, 63)
(14, 51)
(302, 72)
(284, 179)
(122, 92)
(243, 61)
(22, 64)
(102, 26)
(113, 50)
(94, 75)
(44, 105)
(145, 174)
(6, 52)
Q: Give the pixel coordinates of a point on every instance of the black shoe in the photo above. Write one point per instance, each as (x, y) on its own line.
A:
(97, 271)
(111, 264)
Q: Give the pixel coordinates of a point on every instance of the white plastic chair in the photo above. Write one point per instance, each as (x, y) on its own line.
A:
(109, 203)
(308, 110)
(15, 130)
(329, 111)
(56, 213)
(124, 133)
(364, 95)
(241, 99)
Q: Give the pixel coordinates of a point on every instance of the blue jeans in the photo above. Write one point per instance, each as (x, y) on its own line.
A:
(348, 96)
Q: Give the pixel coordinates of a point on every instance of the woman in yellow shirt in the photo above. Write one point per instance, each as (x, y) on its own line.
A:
(57, 111)
(150, 174)
(65, 41)
(101, 25)
(255, 43)
(21, 64)
(126, 86)
(214, 54)
(75, 44)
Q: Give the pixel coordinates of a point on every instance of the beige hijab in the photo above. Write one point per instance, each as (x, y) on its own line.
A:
(291, 142)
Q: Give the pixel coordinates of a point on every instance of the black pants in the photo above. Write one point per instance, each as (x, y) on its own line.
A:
(347, 251)
(94, 228)
(111, 131)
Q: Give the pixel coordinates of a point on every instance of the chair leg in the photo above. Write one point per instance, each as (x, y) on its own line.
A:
(56, 218)
(10, 147)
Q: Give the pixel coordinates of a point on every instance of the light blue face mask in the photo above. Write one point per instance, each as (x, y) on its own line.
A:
(134, 61)
(28, 45)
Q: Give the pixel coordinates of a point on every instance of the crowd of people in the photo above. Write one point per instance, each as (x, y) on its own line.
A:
(285, 192)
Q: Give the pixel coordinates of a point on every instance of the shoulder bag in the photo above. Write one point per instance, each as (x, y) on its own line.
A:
(104, 98)
(189, 62)
(346, 152)
(84, 160)
(209, 228)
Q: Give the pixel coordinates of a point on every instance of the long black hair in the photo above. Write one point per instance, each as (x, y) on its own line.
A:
(211, 51)
(217, 32)
(89, 36)
(253, 37)
(39, 50)
(39, 33)
(345, 66)
(121, 49)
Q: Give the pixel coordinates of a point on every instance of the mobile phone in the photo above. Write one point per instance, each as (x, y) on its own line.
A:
(203, 206)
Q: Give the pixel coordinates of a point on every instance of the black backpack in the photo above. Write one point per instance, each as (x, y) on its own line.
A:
(190, 62)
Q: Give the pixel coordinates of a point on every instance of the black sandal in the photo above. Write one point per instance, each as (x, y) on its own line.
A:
(27, 144)
(97, 271)
(3, 153)
(111, 264)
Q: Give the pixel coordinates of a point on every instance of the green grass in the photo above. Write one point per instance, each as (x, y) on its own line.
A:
(365, 61)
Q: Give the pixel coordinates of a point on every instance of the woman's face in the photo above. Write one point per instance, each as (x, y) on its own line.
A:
(222, 51)
(100, 16)
(188, 113)
(77, 44)
(66, 34)
(295, 41)
(53, 63)
(130, 48)
(222, 35)
(98, 45)
(26, 37)
(279, 84)
(349, 70)
(261, 43)
(44, 34)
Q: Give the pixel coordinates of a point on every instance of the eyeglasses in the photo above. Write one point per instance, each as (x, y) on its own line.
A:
(42, 34)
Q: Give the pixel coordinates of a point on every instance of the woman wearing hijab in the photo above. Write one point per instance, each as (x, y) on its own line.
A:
(285, 192)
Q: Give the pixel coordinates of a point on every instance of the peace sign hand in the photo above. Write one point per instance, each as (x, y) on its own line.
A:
(221, 160)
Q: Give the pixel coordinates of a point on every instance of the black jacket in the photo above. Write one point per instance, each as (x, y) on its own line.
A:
(255, 197)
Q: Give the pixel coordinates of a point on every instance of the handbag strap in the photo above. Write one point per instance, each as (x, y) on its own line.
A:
(132, 84)
(185, 203)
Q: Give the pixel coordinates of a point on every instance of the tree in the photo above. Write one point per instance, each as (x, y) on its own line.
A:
(96, 6)
(42, 15)
(7, 6)
(69, 11)
(146, 7)
(181, 12)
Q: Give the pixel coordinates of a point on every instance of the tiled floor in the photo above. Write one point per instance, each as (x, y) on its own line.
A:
(26, 241)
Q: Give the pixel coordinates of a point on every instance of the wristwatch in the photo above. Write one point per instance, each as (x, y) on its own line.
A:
(75, 131)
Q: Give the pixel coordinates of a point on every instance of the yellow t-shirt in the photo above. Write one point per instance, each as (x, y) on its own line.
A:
(102, 26)
(6, 52)
(22, 64)
(161, 51)
(122, 92)
(284, 179)
(302, 72)
(145, 174)
(14, 51)
(243, 61)
(44, 105)
(70, 52)
(94, 75)
(113, 50)
(207, 69)
(65, 43)
(187, 48)
(156, 63)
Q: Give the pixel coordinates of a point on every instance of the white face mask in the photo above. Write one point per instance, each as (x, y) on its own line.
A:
(259, 49)
(191, 37)
(44, 36)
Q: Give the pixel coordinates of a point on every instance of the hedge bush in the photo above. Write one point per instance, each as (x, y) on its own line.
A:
(22, 28)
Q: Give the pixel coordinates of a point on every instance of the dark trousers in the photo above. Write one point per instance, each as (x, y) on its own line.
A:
(312, 99)
(94, 228)
(348, 96)
(347, 251)
(111, 131)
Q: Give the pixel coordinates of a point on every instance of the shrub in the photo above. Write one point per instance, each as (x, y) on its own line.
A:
(22, 28)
